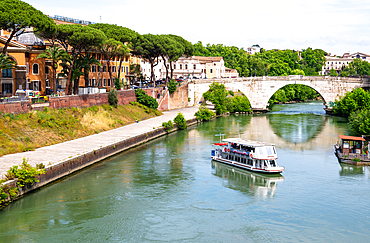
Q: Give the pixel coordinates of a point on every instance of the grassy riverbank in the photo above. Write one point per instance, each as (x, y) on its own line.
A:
(25, 132)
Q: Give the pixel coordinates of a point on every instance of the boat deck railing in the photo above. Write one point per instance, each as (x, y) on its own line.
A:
(352, 156)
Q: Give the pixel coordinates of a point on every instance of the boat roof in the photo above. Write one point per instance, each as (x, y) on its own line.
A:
(249, 143)
(343, 137)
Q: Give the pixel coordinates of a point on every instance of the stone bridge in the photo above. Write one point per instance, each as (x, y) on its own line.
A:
(260, 89)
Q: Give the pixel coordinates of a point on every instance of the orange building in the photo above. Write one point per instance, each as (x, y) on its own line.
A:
(36, 74)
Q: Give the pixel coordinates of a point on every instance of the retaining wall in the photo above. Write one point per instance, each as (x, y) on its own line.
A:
(87, 100)
(67, 167)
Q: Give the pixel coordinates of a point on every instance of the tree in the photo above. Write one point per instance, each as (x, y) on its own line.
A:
(217, 94)
(149, 48)
(55, 54)
(16, 16)
(333, 73)
(204, 114)
(113, 98)
(86, 65)
(6, 62)
(172, 86)
(180, 121)
(297, 72)
(353, 101)
(135, 71)
(118, 33)
(239, 103)
(145, 99)
(77, 39)
(361, 67)
(171, 50)
(312, 61)
(359, 122)
(110, 49)
(187, 50)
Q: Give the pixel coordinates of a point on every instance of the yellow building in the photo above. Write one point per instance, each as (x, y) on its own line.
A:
(36, 74)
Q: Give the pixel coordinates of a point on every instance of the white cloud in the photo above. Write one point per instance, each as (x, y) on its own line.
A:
(332, 25)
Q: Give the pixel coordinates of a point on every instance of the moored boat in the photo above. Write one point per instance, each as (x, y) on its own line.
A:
(246, 154)
(351, 150)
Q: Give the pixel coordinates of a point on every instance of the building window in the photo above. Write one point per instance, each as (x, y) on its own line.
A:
(194, 66)
(210, 70)
(93, 68)
(114, 69)
(99, 82)
(123, 69)
(109, 82)
(7, 73)
(126, 69)
(174, 66)
(93, 82)
(35, 69)
(180, 66)
(168, 66)
(105, 82)
(186, 66)
(104, 69)
(47, 70)
(98, 57)
(7, 88)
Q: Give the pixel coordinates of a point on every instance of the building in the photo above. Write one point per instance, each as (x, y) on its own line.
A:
(30, 72)
(187, 67)
(338, 62)
(253, 49)
(25, 49)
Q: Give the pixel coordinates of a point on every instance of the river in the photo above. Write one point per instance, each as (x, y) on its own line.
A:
(168, 190)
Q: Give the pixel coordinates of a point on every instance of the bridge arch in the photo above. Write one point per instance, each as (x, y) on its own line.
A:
(260, 89)
(315, 88)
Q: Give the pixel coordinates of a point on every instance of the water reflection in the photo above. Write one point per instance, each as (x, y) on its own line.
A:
(297, 128)
(255, 184)
(351, 170)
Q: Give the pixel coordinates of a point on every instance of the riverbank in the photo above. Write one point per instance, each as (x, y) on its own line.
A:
(29, 131)
(65, 158)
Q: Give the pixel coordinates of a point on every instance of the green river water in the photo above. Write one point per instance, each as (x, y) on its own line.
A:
(169, 190)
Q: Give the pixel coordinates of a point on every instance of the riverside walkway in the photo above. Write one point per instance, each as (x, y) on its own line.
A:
(60, 152)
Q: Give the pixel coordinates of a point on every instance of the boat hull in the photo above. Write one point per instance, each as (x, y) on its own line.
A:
(247, 167)
(349, 158)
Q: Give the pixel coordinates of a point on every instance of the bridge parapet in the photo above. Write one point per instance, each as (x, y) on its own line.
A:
(260, 89)
(283, 78)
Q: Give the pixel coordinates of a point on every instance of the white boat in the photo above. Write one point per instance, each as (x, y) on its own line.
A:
(246, 154)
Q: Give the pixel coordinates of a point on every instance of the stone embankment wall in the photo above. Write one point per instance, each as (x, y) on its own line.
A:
(179, 99)
(87, 100)
(67, 167)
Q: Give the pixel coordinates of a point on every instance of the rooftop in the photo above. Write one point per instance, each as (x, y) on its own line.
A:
(249, 143)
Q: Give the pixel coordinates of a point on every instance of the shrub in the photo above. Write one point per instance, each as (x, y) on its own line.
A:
(145, 99)
(180, 121)
(204, 114)
(26, 174)
(168, 126)
(113, 98)
(359, 121)
(117, 84)
(172, 86)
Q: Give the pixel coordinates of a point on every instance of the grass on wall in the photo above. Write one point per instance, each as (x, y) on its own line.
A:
(26, 132)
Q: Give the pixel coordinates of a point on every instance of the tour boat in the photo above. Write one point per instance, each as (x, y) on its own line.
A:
(246, 154)
(350, 150)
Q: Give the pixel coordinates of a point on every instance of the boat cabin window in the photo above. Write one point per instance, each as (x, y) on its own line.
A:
(273, 163)
(266, 151)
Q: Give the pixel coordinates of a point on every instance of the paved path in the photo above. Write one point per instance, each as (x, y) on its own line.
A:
(67, 150)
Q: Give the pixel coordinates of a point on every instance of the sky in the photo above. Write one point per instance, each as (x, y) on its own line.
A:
(334, 26)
